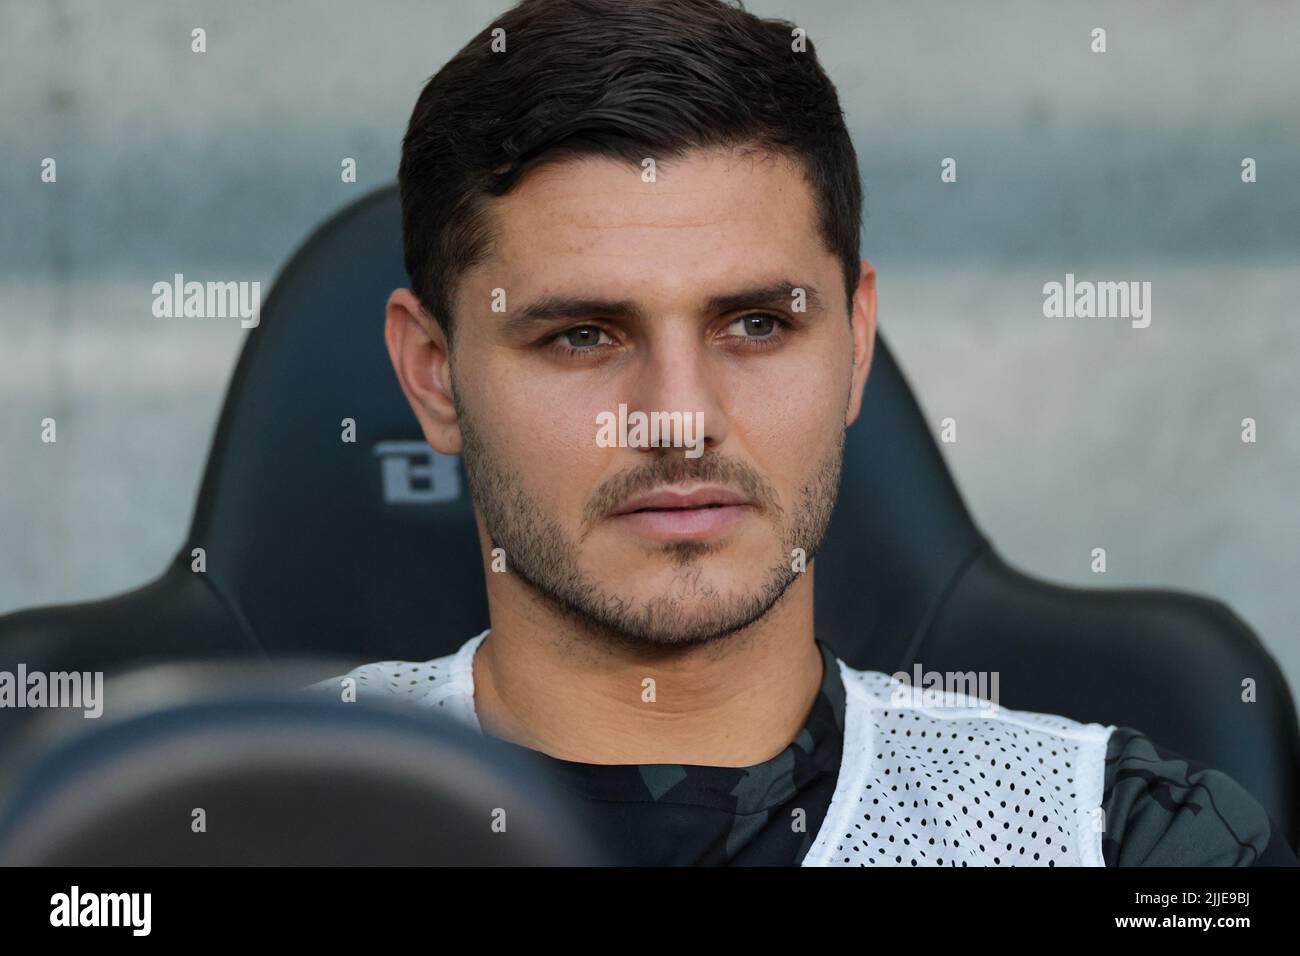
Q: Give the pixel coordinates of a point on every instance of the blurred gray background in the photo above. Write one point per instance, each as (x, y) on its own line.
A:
(1072, 433)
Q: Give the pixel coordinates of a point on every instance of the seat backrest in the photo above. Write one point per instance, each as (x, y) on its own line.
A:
(367, 549)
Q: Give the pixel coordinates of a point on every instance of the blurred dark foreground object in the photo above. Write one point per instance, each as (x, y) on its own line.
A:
(275, 776)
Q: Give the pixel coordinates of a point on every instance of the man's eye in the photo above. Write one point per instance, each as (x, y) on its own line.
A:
(756, 326)
(583, 336)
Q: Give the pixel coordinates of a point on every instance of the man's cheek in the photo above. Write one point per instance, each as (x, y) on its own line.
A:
(559, 475)
(799, 454)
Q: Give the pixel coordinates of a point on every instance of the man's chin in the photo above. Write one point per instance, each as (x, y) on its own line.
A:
(728, 556)
(687, 606)
(696, 577)
(674, 628)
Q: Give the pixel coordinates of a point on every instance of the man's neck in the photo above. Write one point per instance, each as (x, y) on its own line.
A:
(733, 702)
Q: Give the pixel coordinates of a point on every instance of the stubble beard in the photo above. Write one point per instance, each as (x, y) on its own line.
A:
(691, 611)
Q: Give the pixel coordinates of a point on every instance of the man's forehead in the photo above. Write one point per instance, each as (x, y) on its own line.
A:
(575, 221)
(697, 189)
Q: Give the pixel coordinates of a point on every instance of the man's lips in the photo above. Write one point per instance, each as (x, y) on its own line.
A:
(670, 499)
(674, 514)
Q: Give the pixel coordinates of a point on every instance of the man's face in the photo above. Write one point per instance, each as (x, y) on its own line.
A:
(655, 301)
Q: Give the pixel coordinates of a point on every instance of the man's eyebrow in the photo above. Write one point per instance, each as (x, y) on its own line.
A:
(774, 295)
(553, 308)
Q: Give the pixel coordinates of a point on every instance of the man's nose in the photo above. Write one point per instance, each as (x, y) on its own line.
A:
(678, 375)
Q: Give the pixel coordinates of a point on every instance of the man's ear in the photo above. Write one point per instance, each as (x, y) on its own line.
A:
(418, 349)
(863, 322)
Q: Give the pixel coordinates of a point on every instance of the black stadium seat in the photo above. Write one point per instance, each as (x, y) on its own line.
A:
(368, 551)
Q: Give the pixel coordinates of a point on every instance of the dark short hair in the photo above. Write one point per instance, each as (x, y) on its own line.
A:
(622, 79)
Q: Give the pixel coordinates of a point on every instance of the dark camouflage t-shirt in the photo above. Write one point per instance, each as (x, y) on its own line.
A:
(680, 814)
(1165, 810)
(1161, 809)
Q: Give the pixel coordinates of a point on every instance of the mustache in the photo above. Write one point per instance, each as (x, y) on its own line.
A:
(709, 468)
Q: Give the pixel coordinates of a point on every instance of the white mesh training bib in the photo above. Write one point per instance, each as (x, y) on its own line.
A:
(960, 784)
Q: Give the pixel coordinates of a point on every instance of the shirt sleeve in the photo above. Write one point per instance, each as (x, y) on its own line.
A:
(1163, 809)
